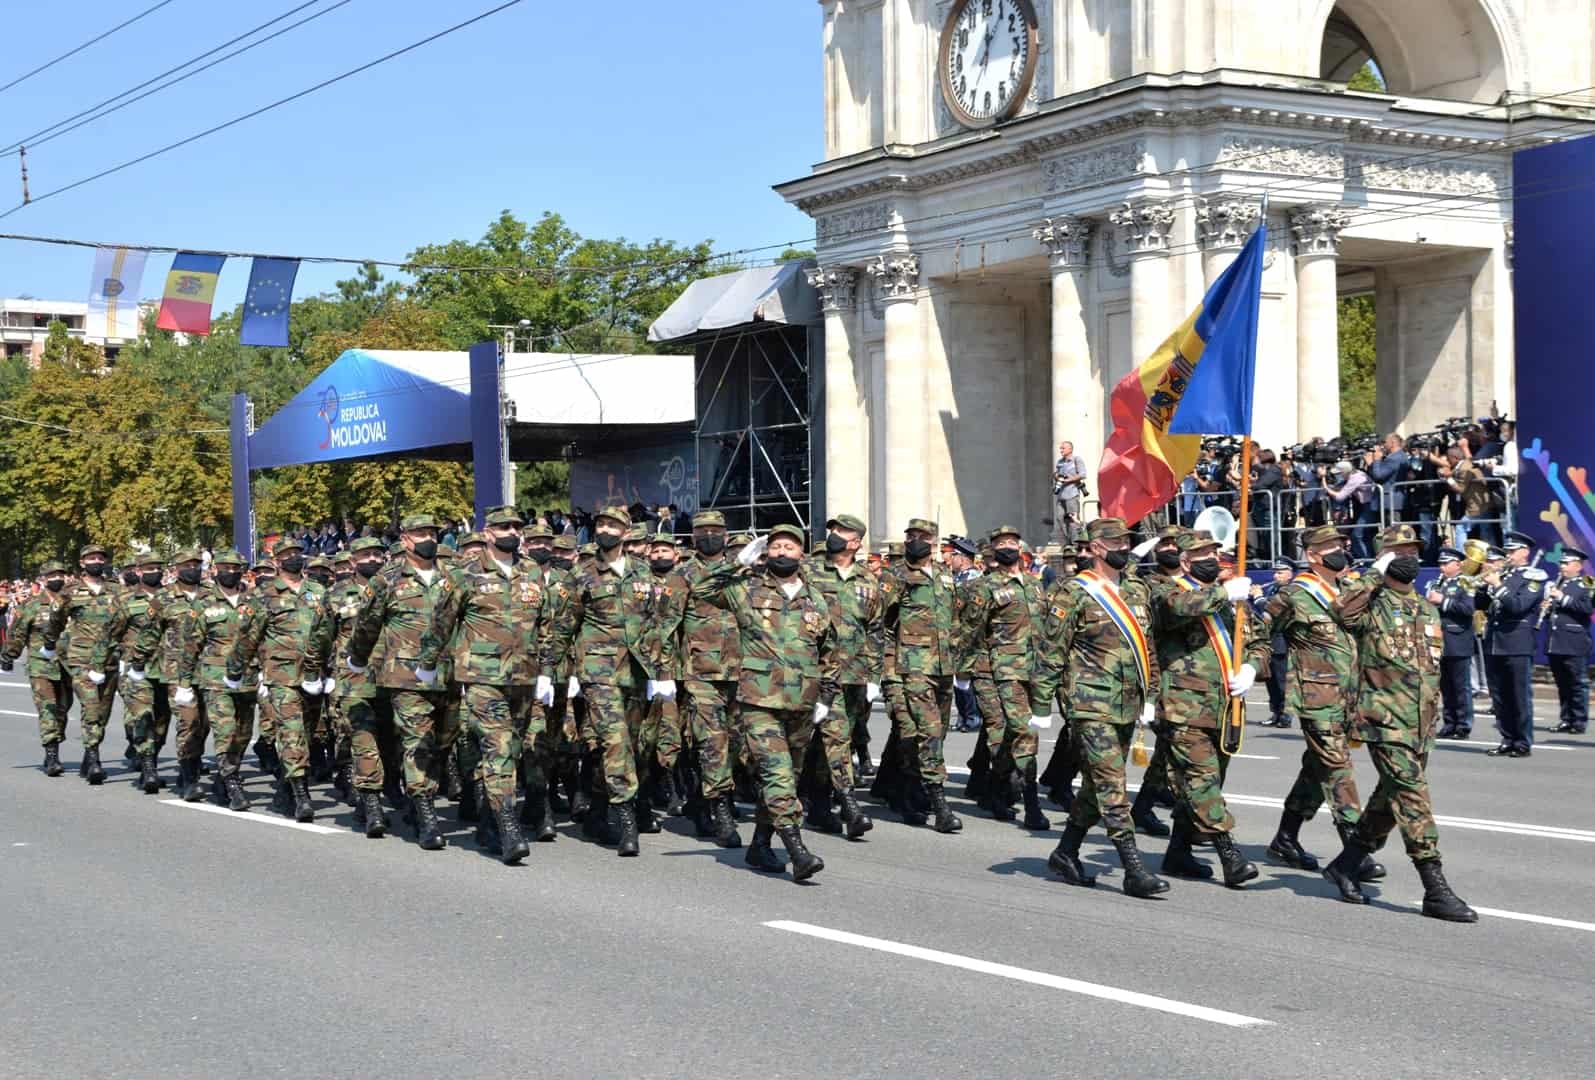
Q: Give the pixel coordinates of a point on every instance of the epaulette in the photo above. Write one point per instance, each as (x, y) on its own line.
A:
(1534, 573)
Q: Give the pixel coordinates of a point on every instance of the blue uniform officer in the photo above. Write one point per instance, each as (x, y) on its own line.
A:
(1565, 611)
(1512, 598)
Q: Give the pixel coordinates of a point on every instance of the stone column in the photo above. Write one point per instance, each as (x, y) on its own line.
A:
(1078, 395)
(1145, 226)
(846, 441)
(1223, 226)
(1317, 230)
(900, 423)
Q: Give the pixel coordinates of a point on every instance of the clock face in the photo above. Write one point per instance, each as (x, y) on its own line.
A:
(988, 58)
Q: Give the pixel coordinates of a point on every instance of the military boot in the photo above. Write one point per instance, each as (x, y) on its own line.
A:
(52, 759)
(904, 800)
(724, 828)
(191, 789)
(92, 772)
(1439, 902)
(946, 820)
(626, 824)
(853, 817)
(282, 797)
(427, 833)
(674, 803)
(319, 772)
(1142, 815)
(866, 767)
(761, 856)
(486, 832)
(266, 756)
(1238, 869)
(1370, 870)
(822, 818)
(1138, 881)
(805, 864)
(343, 783)
(130, 754)
(512, 846)
(1178, 860)
(304, 811)
(1342, 870)
(237, 801)
(999, 798)
(581, 799)
(537, 815)
(453, 782)
(1035, 820)
(647, 818)
(1286, 847)
(1065, 858)
(148, 778)
(375, 818)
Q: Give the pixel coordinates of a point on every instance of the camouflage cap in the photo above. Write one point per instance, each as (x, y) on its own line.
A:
(1398, 534)
(537, 532)
(187, 555)
(895, 549)
(396, 548)
(1171, 532)
(564, 543)
(817, 549)
(418, 521)
(228, 557)
(739, 540)
(588, 549)
(791, 532)
(472, 538)
(923, 525)
(1323, 534)
(614, 513)
(667, 539)
(286, 545)
(636, 533)
(318, 562)
(1005, 530)
(93, 549)
(445, 552)
(341, 558)
(263, 567)
(149, 558)
(366, 543)
(1107, 528)
(1193, 541)
(54, 566)
(503, 515)
(848, 522)
(705, 519)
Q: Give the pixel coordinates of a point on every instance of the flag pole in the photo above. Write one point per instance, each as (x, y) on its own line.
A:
(1234, 731)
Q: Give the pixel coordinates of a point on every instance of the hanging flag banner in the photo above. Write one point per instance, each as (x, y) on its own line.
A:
(113, 295)
(271, 291)
(190, 288)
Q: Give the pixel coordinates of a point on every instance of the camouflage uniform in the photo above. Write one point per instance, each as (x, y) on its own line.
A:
(359, 710)
(559, 747)
(52, 692)
(155, 652)
(710, 667)
(85, 618)
(209, 633)
(661, 729)
(856, 607)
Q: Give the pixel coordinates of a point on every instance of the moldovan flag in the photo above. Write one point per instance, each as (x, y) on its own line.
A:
(1198, 382)
(190, 288)
(113, 295)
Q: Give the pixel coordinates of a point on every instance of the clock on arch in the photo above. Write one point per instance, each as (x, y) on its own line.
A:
(987, 59)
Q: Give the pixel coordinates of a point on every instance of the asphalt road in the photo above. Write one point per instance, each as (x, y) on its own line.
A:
(145, 938)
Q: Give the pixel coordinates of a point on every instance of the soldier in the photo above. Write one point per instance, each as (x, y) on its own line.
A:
(1000, 617)
(85, 617)
(342, 568)
(1398, 682)
(607, 625)
(787, 684)
(398, 608)
(1566, 609)
(855, 608)
(1279, 660)
(286, 636)
(1512, 599)
(919, 654)
(561, 731)
(1322, 684)
(1097, 646)
(1155, 787)
(52, 690)
(637, 543)
(496, 608)
(711, 668)
(1452, 596)
(1194, 627)
(660, 745)
(365, 713)
(144, 703)
(211, 628)
(154, 654)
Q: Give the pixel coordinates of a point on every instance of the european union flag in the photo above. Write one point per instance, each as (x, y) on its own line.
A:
(271, 291)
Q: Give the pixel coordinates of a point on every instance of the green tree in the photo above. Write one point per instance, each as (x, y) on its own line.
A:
(1357, 365)
(1367, 78)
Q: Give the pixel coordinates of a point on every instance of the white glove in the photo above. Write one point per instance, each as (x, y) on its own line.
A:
(426, 676)
(1238, 588)
(136, 674)
(750, 554)
(821, 711)
(664, 689)
(311, 687)
(872, 692)
(262, 693)
(231, 684)
(544, 693)
(121, 667)
(46, 654)
(1041, 723)
(1382, 563)
(328, 686)
(1140, 550)
(1148, 714)
(184, 696)
(960, 684)
(573, 689)
(1242, 680)
(97, 677)
(358, 669)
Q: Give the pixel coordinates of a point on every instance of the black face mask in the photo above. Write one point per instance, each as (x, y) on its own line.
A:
(661, 566)
(293, 564)
(151, 578)
(1005, 556)
(230, 578)
(835, 544)
(607, 541)
(367, 569)
(1118, 559)
(189, 575)
(426, 549)
(542, 556)
(916, 549)
(1169, 559)
(563, 564)
(320, 577)
(782, 565)
(94, 569)
(1336, 560)
(509, 544)
(1403, 570)
(55, 584)
(1083, 563)
(1205, 570)
(710, 545)
(129, 577)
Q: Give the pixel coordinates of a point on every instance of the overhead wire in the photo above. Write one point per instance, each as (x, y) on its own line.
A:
(92, 41)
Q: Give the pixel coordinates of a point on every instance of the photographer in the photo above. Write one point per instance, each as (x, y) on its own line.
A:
(1425, 491)
(1470, 499)
(1387, 466)
(1268, 481)
(1068, 489)
(1352, 493)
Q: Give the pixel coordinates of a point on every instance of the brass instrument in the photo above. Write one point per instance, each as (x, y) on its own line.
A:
(1554, 593)
(1474, 554)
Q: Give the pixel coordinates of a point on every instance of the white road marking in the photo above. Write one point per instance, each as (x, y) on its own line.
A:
(250, 815)
(1519, 916)
(14, 712)
(1037, 978)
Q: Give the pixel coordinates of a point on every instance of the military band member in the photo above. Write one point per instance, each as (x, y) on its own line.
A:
(1566, 611)
(1512, 599)
(1452, 596)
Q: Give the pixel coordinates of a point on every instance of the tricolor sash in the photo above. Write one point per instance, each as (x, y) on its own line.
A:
(1217, 633)
(1111, 601)
(1317, 588)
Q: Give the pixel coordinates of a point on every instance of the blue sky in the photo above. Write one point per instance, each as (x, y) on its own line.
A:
(635, 118)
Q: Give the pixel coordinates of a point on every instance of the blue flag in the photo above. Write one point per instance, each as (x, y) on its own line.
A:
(1218, 397)
(271, 291)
